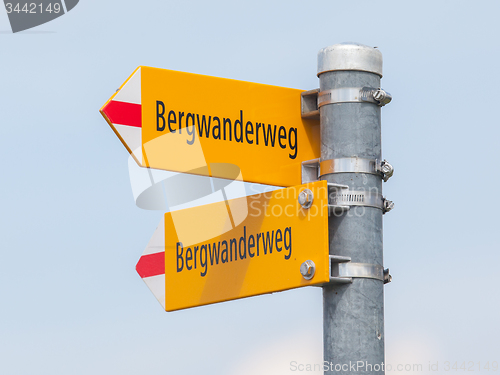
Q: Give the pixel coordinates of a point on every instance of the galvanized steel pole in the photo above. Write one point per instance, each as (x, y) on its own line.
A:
(353, 313)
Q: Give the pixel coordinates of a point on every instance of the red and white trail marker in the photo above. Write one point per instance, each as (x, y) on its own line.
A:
(123, 112)
(151, 265)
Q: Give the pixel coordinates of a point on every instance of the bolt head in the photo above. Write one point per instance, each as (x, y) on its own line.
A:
(306, 198)
(386, 168)
(307, 269)
(378, 95)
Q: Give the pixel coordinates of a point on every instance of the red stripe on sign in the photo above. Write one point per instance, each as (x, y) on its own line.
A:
(151, 265)
(122, 113)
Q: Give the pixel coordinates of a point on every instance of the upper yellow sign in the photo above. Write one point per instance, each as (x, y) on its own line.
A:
(242, 247)
(185, 122)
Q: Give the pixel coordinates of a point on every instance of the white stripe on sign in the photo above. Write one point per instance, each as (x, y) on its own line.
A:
(157, 285)
(131, 91)
(131, 135)
(157, 242)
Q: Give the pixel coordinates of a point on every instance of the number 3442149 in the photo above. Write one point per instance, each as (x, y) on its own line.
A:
(33, 8)
(471, 366)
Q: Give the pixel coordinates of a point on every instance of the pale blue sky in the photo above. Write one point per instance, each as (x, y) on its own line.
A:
(70, 299)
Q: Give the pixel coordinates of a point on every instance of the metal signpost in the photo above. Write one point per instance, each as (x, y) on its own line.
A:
(349, 102)
(324, 230)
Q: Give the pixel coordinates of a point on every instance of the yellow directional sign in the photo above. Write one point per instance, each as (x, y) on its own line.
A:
(243, 247)
(186, 122)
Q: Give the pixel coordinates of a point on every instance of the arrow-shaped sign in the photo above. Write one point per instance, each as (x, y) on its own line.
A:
(239, 248)
(191, 123)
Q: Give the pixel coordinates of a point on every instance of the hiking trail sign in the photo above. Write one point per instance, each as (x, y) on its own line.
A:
(238, 248)
(185, 123)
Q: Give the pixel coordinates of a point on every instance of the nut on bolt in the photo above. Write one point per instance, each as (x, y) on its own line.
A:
(307, 269)
(387, 169)
(388, 205)
(382, 97)
(306, 198)
(387, 276)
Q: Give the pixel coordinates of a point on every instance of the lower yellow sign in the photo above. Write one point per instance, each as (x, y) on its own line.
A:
(245, 247)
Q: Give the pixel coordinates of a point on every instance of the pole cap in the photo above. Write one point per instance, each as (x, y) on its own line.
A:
(350, 56)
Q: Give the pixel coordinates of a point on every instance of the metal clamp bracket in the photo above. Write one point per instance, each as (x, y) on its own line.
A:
(309, 104)
(357, 198)
(334, 207)
(312, 100)
(354, 95)
(313, 169)
(356, 165)
(310, 171)
(342, 271)
(341, 196)
(341, 199)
